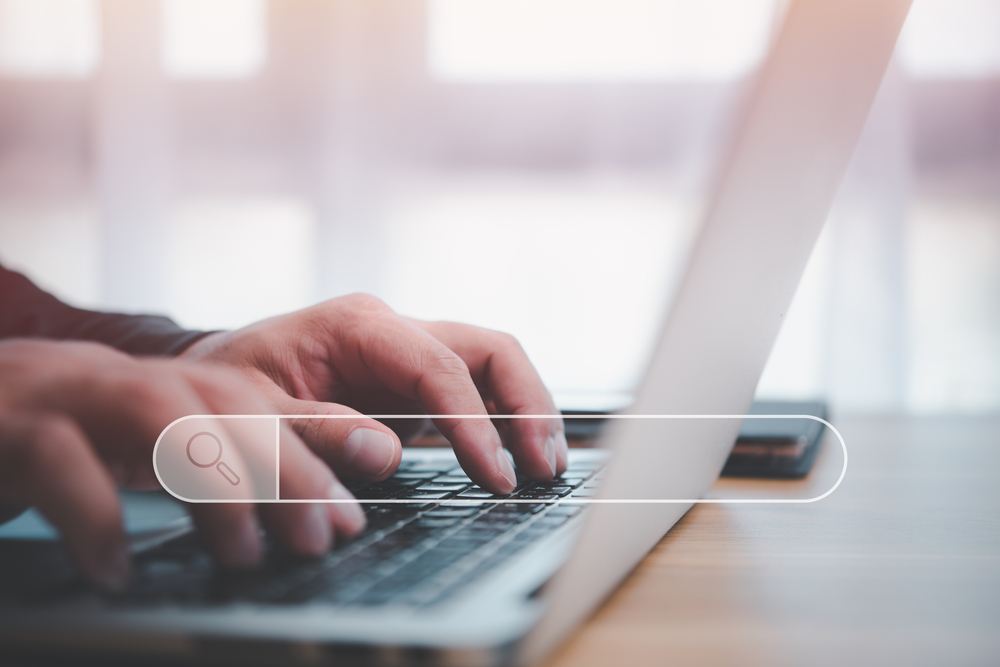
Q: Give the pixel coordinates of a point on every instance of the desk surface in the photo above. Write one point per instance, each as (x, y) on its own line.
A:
(901, 565)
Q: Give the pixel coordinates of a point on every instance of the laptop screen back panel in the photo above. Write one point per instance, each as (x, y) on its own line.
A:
(797, 133)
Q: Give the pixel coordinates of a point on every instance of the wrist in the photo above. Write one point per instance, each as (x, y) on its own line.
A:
(202, 346)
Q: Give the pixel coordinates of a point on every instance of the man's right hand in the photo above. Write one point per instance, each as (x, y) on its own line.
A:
(77, 419)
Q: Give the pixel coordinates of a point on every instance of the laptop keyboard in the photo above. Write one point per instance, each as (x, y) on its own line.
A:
(413, 554)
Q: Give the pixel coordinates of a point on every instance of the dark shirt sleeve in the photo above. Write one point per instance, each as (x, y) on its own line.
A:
(29, 312)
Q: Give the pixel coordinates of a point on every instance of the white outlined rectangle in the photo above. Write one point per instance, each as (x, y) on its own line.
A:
(569, 499)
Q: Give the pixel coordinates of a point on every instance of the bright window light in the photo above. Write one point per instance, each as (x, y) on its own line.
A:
(55, 242)
(579, 272)
(594, 40)
(235, 260)
(48, 38)
(214, 39)
(954, 282)
(952, 39)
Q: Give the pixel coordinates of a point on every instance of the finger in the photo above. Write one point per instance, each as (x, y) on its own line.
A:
(302, 528)
(359, 447)
(414, 364)
(230, 532)
(304, 476)
(123, 405)
(46, 461)
(498, 363)
(150, 396)
(379, 400)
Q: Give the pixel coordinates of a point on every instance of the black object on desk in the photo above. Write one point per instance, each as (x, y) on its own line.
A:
(766, 448)
(777, 448)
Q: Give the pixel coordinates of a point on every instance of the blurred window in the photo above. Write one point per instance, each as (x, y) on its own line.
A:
(952, 39)
(577, 269)
(55, 240)
(237, 259)
(382, 179)
(48, 38)
(954, 264)
(214, 39)
(594, 40)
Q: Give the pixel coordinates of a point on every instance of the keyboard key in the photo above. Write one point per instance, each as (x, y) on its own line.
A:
(437, 523)
(373, 492)
(439, 467)
(526, 508)
(406, 482)
(474, 493)
(558, 490)
(546, 522)
(418, 495)
(452, 512)
(382, 518)
(398, 558)
(538, 495)
(564, 510)
(452, 479)
(426, 474)
(551, 484)
(463, 503)
(480, 527)
(407, 508)
(466, 540)
(509, 518)
(441, 487)
(414, 572)
(399, 509)
(460, 545)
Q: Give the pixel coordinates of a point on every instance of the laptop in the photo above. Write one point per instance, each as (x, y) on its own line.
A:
(462, 578)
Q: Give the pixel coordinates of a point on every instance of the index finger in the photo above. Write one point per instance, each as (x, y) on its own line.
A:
(412, 363)
(497, 362)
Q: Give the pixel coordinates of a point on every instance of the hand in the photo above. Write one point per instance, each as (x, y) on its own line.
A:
(77, 419)
(354, 353)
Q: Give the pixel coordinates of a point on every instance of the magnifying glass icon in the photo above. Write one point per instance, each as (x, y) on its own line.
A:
(217, 462)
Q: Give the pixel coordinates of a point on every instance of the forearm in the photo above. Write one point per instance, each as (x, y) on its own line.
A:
(29, 312)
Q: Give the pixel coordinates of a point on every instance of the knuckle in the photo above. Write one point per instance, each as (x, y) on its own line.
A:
(506, 341)
(310, 430)
(365, 303)
(444, 361)
(224, 382)
(144, 392)
(349, 315)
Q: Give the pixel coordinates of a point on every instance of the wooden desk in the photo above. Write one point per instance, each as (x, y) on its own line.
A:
(900, 566)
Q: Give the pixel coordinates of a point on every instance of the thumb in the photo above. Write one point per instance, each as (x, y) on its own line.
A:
(353, 445)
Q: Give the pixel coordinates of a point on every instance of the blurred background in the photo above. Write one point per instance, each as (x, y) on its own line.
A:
(536, 166)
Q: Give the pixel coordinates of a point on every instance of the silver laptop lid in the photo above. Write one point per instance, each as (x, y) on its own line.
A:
(798, 130)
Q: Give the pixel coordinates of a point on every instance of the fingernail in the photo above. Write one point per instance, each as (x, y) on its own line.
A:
(316, 529)
(348, 516)
(505, 468)
(368, 451)
(114, 573)
(550, 454)
(563, 451)
(244, 550)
